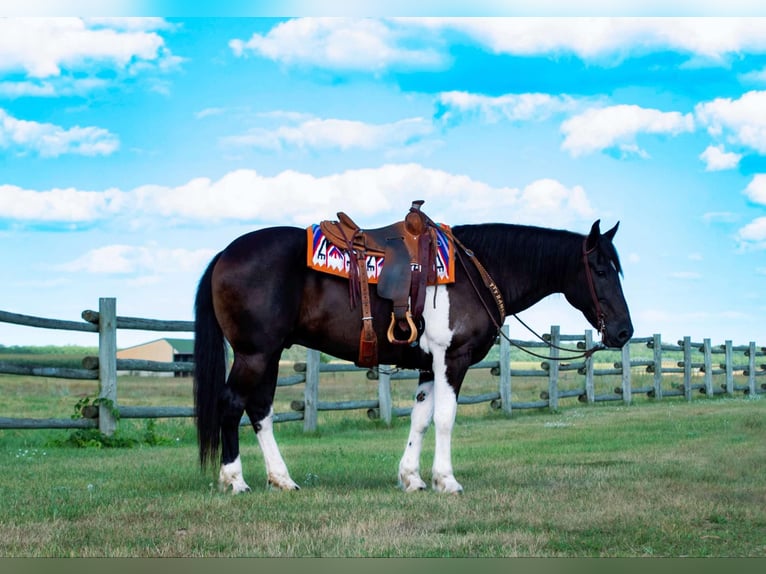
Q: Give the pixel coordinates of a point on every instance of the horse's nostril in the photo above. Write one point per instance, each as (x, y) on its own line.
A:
(625, 335)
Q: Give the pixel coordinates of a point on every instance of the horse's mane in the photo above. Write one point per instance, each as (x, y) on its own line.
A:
(536, 248)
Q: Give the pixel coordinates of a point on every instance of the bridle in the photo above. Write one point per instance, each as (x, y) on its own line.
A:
(600, 316)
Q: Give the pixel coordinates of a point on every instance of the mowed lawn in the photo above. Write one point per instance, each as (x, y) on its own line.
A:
(666, 478)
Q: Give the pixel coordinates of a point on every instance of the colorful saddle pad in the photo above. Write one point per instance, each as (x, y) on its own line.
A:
(328, 258)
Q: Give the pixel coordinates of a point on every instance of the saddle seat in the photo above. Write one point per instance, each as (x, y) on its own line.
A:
(408, 248)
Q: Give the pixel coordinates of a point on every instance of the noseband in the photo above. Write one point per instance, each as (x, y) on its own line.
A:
(601, 317)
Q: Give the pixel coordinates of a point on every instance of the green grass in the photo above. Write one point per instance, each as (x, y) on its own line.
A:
(655, 479)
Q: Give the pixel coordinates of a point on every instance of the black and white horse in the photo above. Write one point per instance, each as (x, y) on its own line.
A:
(261, 297)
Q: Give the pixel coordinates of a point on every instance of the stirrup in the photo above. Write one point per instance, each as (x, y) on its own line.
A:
(413, 330)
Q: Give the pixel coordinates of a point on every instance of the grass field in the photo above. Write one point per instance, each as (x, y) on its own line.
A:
(665, 478)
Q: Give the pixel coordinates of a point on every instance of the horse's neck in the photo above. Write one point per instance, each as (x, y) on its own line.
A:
(526, 277)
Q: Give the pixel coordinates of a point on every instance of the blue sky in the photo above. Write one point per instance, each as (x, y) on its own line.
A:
(132, 150)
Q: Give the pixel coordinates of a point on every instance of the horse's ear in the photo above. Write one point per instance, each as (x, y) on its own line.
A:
(610, 234)
(595, 234)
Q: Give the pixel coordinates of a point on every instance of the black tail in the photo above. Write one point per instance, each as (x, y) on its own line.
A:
(209, 369)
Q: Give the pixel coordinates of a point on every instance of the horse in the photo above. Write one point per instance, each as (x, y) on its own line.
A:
(260, 296)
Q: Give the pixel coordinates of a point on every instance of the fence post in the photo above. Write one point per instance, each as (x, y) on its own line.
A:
(751, 370)
(708, 362)
(688, 368)
(627, 390)
(590, 391)
(657, 344)
(505, 371)
(553, 371)
(729, 369)
(384, 393)
(311, 391)
(107, 363)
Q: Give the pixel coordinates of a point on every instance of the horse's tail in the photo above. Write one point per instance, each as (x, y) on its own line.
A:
(209, 369)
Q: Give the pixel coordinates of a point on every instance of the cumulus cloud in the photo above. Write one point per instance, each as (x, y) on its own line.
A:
(64, 56)
(50, 140)
(741, 121)
(374, 196)
(130, 259)
(716, 158)
(612, 39)
(753, 235)
(319, 133)
(756, 189)
(346, 44)
(375, 45)
(41, 47)
(512, 107)
(58, 205)
(599, 129)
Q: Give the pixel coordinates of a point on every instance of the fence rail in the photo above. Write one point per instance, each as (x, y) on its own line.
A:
(105, 367)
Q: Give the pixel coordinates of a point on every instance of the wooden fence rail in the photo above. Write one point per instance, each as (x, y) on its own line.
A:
(105, 367)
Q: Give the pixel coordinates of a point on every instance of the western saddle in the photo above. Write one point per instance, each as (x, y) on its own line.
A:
(409, 251)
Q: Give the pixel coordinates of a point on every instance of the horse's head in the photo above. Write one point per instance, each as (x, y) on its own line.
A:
(596, 290)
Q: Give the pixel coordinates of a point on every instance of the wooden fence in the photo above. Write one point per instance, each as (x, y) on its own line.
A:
(104, 368)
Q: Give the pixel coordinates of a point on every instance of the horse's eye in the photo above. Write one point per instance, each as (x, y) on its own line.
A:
(600, 272)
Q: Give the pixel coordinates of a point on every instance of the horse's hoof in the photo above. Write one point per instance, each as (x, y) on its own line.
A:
(412, 483)
(236, 488)
(275, 483)
(447, 484)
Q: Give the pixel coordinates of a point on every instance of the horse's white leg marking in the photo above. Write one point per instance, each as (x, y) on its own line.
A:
(231, 476)
(276, 469)
(420, 420)
(436, 340)
(445, 409)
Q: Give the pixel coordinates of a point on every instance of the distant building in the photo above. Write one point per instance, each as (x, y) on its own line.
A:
(165, 350)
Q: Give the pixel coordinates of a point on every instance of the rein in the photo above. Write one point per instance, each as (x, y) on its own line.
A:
(493, 289)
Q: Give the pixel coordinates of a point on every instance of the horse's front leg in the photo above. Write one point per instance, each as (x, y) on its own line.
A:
(420, 420)
(436, 339)
(445, 411)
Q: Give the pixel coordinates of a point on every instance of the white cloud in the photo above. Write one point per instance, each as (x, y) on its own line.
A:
(373, 196)
(512, 107)
(756, 189)
(317, 133)
(598, 129)
(609, 40)
(365, 45)
(60, 205)
(753, 235)
(374, 45)
(50, 140)
(68, 56)
(130, 259)
(716, 158)
(41, 47)
(741, 121)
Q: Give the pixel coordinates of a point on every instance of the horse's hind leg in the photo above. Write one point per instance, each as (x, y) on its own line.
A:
(232, 405)
(250, 385)
(259, 409)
